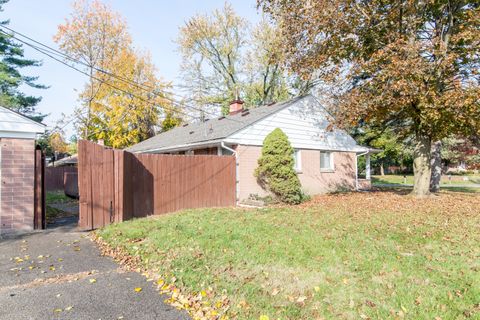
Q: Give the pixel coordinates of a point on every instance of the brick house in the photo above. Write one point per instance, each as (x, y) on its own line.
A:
(17, 160)
(325, 159)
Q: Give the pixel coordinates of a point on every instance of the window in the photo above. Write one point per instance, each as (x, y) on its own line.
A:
(297, 161)
(326, 161)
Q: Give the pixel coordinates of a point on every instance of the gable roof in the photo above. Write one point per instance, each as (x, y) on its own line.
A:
(13, 121)
(213, 130)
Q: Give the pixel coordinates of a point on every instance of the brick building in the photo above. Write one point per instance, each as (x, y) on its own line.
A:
(325, 157)
(17, 160)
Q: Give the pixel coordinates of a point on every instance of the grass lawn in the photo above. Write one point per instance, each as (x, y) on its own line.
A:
(347, 256)
(57, 197)
(398, 179)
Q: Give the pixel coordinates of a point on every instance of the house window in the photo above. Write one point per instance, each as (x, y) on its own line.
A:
(297, 160)
(326, 161)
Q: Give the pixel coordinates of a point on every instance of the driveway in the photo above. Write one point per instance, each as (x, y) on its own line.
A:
(60, 274)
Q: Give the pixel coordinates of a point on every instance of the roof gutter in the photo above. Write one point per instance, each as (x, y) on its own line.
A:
(180, 147)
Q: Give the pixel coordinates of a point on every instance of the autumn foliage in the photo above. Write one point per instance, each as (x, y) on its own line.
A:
(407, 65)
(123, 98)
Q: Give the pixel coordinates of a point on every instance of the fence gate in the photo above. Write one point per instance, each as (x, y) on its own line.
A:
(96, 187)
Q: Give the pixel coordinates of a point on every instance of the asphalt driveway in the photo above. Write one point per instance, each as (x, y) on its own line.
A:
(60, 274)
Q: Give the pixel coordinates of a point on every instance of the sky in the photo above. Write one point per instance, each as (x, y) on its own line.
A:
(153, 24)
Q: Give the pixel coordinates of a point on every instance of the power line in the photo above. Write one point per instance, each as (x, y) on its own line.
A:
(53, 51)
(93, 77)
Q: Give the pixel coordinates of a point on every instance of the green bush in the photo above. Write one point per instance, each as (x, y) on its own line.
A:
(275, 172)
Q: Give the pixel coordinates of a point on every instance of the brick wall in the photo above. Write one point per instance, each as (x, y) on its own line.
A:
(17, 158)
(313, 180)
(247, 163)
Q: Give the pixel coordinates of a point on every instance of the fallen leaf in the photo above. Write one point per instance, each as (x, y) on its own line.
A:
(69, 308)
(92, 280)
(58, 310)
(263, 317)
(138, 289)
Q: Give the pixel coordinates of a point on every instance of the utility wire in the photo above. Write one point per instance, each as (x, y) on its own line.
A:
(52, 51)
(93, 77)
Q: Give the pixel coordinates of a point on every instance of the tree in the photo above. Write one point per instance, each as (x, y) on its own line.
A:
(124, 113)
(395, 151)
(461, 151)
(11, 79)
(275, 171)
(411, 65)
(94, 34)
(267, 81)
(52, 143)
(223, 56)
(171, 121)
(123, 98)
(211, 49)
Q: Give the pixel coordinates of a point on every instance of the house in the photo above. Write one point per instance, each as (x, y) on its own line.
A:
(325, 159)
(17, 169)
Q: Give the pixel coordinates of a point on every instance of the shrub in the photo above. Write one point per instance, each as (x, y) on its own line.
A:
(275, 172)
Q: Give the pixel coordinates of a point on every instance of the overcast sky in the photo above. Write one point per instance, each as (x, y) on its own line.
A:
(153, 25)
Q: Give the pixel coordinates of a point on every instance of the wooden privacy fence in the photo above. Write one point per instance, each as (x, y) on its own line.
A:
(117, 185)
(55, 177)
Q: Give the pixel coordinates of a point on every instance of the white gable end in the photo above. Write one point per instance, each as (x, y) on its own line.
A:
(14, 125)
(305, 123)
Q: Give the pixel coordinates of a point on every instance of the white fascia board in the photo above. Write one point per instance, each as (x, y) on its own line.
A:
(356, 149)
(15, 122)
(183, 147)
(18, 135)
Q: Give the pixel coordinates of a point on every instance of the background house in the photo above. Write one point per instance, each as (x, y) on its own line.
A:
(325, 157)
(17, 162)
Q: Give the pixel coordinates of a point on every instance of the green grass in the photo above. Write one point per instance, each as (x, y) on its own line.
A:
(57, 197)
(452, 189)
(351, 256)
(399, 179)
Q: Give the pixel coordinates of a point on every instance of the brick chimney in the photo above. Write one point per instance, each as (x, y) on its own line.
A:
(236, 106)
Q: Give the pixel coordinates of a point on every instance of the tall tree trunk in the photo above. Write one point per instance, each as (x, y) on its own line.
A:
(436, 163)
(422, 166)
(382, 170)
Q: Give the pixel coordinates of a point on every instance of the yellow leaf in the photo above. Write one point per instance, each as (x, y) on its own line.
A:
(69, 308)
(92, 280)
(317, 289)
(138, 289)
(58, 310)
(263, 317)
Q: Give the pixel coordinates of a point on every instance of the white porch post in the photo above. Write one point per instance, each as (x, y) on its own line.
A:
(367, 166)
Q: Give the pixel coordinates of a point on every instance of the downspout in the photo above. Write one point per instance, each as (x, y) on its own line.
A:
(356, 168)
(222, 144)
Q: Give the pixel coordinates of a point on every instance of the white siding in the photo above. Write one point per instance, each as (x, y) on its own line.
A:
(305, 123)
(17, 126)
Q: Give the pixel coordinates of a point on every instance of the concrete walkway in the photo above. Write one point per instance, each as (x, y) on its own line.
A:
(59, 274)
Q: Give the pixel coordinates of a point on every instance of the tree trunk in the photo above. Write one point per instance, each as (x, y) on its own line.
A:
(382, 170)
(436, 163)
(422, 166)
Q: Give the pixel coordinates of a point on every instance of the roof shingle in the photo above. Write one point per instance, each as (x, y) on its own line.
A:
(212, 130)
